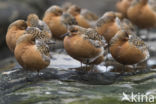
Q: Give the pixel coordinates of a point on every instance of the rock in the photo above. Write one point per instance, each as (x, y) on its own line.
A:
(64, 84)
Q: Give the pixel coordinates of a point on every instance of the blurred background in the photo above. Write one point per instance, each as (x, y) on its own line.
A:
(12, 10)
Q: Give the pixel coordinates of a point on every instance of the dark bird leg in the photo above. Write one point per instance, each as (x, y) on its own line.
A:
(87, 62)
(92, 68)
(81, 66)
(147, 67)
(123, 70)
(107, 57)
(134, 68)
(148, 34)
(38, 73)
(138, 31)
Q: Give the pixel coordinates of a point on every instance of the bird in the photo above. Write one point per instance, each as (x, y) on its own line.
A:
(58, 21)
(107, 25)
(110, 23)
(142, 14)
(127, 24)
(123, 5)
(81, 20)
(32, 53)
(128, 49)
(84, 45)
(15, 30)
(68, 20)
(34, 21)
(40, 34)
(90, 16)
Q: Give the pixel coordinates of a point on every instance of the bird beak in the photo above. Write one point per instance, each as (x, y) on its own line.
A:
(66, 34)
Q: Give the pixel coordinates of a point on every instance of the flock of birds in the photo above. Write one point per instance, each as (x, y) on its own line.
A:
(86, 37)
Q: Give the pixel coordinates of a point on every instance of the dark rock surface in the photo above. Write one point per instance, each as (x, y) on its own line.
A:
(64, 82)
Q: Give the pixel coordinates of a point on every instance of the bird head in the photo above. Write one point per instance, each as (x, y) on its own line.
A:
(55, 10)
(19, 24)
(74, 10)
(32, 20)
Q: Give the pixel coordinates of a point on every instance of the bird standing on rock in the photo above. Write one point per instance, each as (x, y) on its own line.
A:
(85, 45)
(15, 30)
(31, 53)
(128, 49)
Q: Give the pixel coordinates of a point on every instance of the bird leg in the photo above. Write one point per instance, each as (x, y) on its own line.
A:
(123, 69)
(147, 67)
(107, 57)
(148, 34)
(38, 73)
(135, 68)
(81, 66)
(92, 68)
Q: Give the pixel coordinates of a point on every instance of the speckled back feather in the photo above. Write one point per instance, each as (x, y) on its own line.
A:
(104, 20)
(137, 42)
(43, 48)
(68, 19)
(93, 37)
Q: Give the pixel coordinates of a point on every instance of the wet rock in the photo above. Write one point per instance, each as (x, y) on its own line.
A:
(99, 78)
(64, 83)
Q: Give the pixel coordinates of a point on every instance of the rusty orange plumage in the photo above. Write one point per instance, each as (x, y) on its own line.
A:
(81, 20)
(32, 54)
(128, 49)
(107, 26)
(123, 5)
(84, 45)
(110, 23)
(15, 30)
(142, 14)
(34, 21)
(58, 21)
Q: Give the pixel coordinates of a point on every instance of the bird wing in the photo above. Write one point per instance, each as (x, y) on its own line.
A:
(43, 26)
(94, 38)
(138, 43)
(44, 49)
(68, 19)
